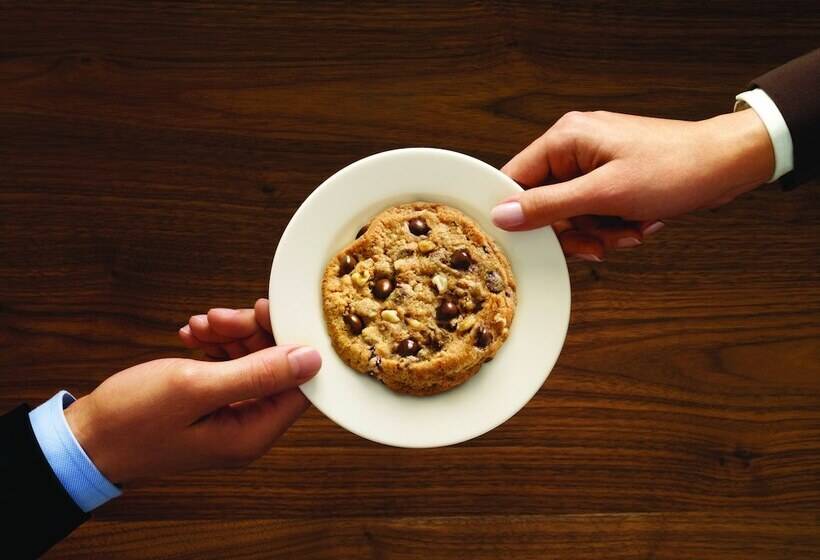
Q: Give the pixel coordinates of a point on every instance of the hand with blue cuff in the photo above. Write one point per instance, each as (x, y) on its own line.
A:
(67, 457)
(175, 414)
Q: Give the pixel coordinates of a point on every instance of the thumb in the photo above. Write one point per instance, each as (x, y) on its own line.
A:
(260, 374)
(545, 205)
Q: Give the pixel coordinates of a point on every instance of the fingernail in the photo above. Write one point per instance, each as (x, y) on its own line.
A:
(185, 330)
(591, 258)
(304, 363)
(628, 242)
(198, 318)
(507, 215)
(653, 227)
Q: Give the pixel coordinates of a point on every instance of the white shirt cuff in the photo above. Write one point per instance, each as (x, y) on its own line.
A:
(760, 102)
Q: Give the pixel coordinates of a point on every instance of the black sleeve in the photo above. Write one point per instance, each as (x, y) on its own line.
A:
(795, 89)
(39, 512)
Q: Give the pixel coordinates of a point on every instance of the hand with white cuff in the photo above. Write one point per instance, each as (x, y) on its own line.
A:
(175, 414)
(605, 180)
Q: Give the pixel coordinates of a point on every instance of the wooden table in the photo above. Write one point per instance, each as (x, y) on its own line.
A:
(152, 154)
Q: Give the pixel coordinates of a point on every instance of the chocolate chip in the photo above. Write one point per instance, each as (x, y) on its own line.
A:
(483, 338)
(494, 282)
(382, 288)
(354, 323)
(418, 226)
(447, 310)
(361, 231)
(407, 347)
(460, 259)
(346, 264)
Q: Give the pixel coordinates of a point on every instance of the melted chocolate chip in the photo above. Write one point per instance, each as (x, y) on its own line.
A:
(361, 231)
(407, 347)
(354, 323)
(483, 337)
(346, 264)
(382, 288)
(418, 226)
(447, 310)
(460, 259)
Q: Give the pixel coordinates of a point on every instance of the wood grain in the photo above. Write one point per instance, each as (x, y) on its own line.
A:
(152, 155)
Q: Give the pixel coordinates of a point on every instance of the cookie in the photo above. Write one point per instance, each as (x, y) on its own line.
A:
(420, 300)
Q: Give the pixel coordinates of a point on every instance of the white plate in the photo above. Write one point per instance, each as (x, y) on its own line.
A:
(329, 219)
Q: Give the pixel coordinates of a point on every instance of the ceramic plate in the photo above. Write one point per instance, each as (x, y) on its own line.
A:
(329, 219)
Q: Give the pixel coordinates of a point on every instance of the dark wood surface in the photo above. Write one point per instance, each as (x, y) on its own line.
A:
(151, 155)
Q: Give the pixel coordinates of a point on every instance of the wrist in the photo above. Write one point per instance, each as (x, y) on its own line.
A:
(740, 148)
(79, 419)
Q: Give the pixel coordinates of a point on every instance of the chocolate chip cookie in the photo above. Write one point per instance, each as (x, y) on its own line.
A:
(420, 299)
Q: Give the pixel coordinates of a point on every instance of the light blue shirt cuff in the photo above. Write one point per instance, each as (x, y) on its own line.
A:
(76, 472)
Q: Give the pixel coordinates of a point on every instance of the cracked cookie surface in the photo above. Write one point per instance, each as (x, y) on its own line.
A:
(420, 300)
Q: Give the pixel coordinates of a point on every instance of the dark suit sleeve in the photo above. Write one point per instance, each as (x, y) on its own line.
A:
(38, 511)
(795, 89)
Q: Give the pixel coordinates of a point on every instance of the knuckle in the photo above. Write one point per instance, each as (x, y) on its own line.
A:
(572, 120)
(267, 376)
(183, 375)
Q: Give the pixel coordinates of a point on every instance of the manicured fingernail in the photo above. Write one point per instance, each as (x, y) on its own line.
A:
(628, 242)
(507, 215)
(304, 363)
(653, 227)
(185, 330)
(591, 258)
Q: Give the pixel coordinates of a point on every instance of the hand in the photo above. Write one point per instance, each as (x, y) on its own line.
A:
(608, 179)
(175, 414)
(230, 333)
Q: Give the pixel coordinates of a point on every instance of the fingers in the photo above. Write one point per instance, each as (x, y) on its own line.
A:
(614, 233)
(187, 337)
(229, 333)
(200, 328)
(530, 167)
(650, 227)
(232, 323)
(214, 351)
(238, 434)
(265, 420)
(581, 245)
(547, 204)
(552, 155)
(589, 237)
(262, 312)
(258, 341)
(240, 325)
(267, 372)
